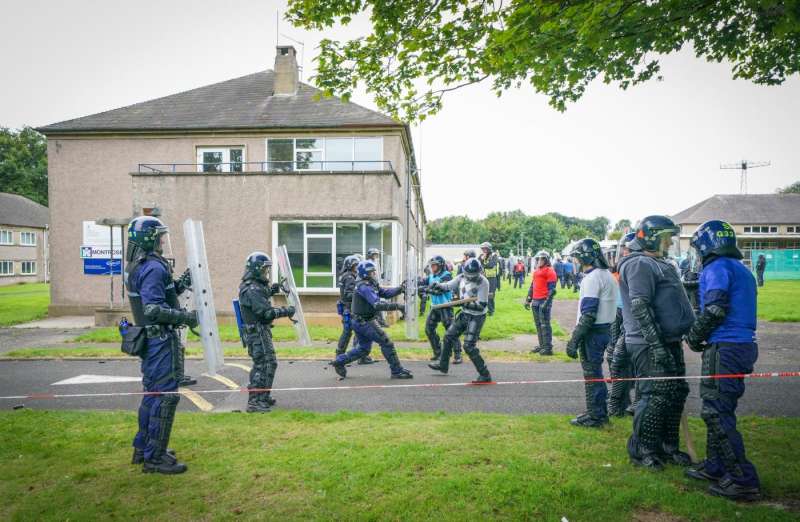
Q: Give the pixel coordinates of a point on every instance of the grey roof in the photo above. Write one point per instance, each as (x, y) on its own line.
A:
(241, 103)
(22, 212)
(744, 209)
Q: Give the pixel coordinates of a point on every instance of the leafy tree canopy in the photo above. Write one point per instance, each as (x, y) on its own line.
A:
(794, 188)
(507, 230)
(23, 163)
(558, 48)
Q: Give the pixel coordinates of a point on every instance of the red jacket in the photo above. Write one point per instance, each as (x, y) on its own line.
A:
(519, 268)
(542, 278)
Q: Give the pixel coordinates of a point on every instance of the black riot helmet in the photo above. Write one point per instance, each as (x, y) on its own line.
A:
(145, 235)
(651, 233)
(258, 266)
(588, 252)
(469, 253)
(350, 262)
(472, 269)
(438, 261)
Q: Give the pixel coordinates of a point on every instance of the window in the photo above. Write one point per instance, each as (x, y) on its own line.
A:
(28, 267)
(6, 268)
(220, 159)
(793, 229)
(6, 237)
(317, 248)
(27, 238)
(747, 230)
(327, 154)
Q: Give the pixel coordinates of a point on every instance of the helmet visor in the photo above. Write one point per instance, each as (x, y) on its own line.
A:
(162, 245)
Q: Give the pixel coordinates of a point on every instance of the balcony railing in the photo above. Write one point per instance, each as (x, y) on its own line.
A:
(267, 166)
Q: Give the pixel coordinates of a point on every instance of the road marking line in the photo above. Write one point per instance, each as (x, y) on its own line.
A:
(200, 402)
(240, 366)
(224, 380)
(96, 379)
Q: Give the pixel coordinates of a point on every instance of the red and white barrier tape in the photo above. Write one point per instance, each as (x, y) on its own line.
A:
(762, 375)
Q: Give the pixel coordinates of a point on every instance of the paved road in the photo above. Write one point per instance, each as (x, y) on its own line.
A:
(768, 397)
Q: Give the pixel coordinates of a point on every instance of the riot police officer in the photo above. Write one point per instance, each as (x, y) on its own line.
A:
(592, 333)
(656, 315)
(619, 361)
(540, 298)
(471, 284)
(255, 300)
(154, 303)
(347, 285)
(725, 333)
(365, 308)
(439, 274)
(488, 260)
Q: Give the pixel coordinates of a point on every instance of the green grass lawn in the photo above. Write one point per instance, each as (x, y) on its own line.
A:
(779, 301)
(353, 466)
(24, 302)
(283, 352)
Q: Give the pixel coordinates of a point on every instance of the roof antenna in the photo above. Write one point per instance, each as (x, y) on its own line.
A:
(743, 166)
(302, 53)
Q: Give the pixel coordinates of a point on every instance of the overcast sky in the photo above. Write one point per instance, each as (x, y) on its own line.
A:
(653, 149)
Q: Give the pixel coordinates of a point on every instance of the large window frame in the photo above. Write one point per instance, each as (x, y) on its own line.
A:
(321, 165)
(6, 268)
(31, 241)
(6, 237)
(226, 164)
(395, 238)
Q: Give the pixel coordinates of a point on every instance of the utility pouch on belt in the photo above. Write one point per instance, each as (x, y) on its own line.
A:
(134, 341)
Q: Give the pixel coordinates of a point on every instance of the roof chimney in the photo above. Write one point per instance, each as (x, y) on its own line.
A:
(286, 79)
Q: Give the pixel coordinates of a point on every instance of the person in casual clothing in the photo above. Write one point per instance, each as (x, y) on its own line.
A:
(761, 266)
(569, 272)
(558, 266)
(519, 274)
(596, 311)
(656, 315)
(725, 333)
(540, 298)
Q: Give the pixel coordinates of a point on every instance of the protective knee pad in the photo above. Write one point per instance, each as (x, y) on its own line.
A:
(721, 443)
(166, 415)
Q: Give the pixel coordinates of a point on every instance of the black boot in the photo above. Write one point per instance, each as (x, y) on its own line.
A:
(483, 378)
(648, 461)
(699, 472)
(187, 380)
(438, 367)
(587, 421)
(257, 404)
(138, 456)
(366, 360)
(547, 351)
(340, 370)
(164, 465)
(537, 349)
(402, 374)
(727, 488)
(457, 359)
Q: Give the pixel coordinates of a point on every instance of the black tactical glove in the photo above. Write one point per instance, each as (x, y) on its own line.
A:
(184, 282)
(284, 311)
(573, 346)
(388, 307)
(274, 288)
(190, 319)
(706, 323)
(528, 303)
(661, 361)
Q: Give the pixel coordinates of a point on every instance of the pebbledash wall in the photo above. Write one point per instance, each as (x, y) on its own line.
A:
(97, 176)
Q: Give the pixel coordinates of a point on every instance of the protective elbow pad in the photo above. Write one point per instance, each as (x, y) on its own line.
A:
(477, 306)
(641, 312)
(387, 307)
(707, 322)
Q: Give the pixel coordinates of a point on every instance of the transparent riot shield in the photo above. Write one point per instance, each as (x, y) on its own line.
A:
(412, 307)
(202, 295)
(286, 279)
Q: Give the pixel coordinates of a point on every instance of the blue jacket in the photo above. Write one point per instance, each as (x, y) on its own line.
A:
(441, 277)
(727, 282)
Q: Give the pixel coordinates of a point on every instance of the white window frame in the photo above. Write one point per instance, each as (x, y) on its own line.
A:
(322, 150)
(22, 236)
(226, 157)
(396, 231)
(10, 264)
(22, 268)
(10, 234)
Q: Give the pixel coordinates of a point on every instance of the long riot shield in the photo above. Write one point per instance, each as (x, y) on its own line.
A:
(286, 278)
(412, 312)
(202, 295)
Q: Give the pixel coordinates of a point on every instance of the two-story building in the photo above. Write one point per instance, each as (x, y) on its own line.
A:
(262, 160)
(23, 240)
(762, 221)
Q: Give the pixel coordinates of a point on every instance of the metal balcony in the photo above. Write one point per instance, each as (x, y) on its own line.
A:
(327, 167)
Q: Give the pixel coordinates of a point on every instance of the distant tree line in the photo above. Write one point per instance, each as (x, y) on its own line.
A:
(508, 230)
(23, 163)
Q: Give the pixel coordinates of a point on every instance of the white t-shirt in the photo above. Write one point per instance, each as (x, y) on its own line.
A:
(600, 284)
